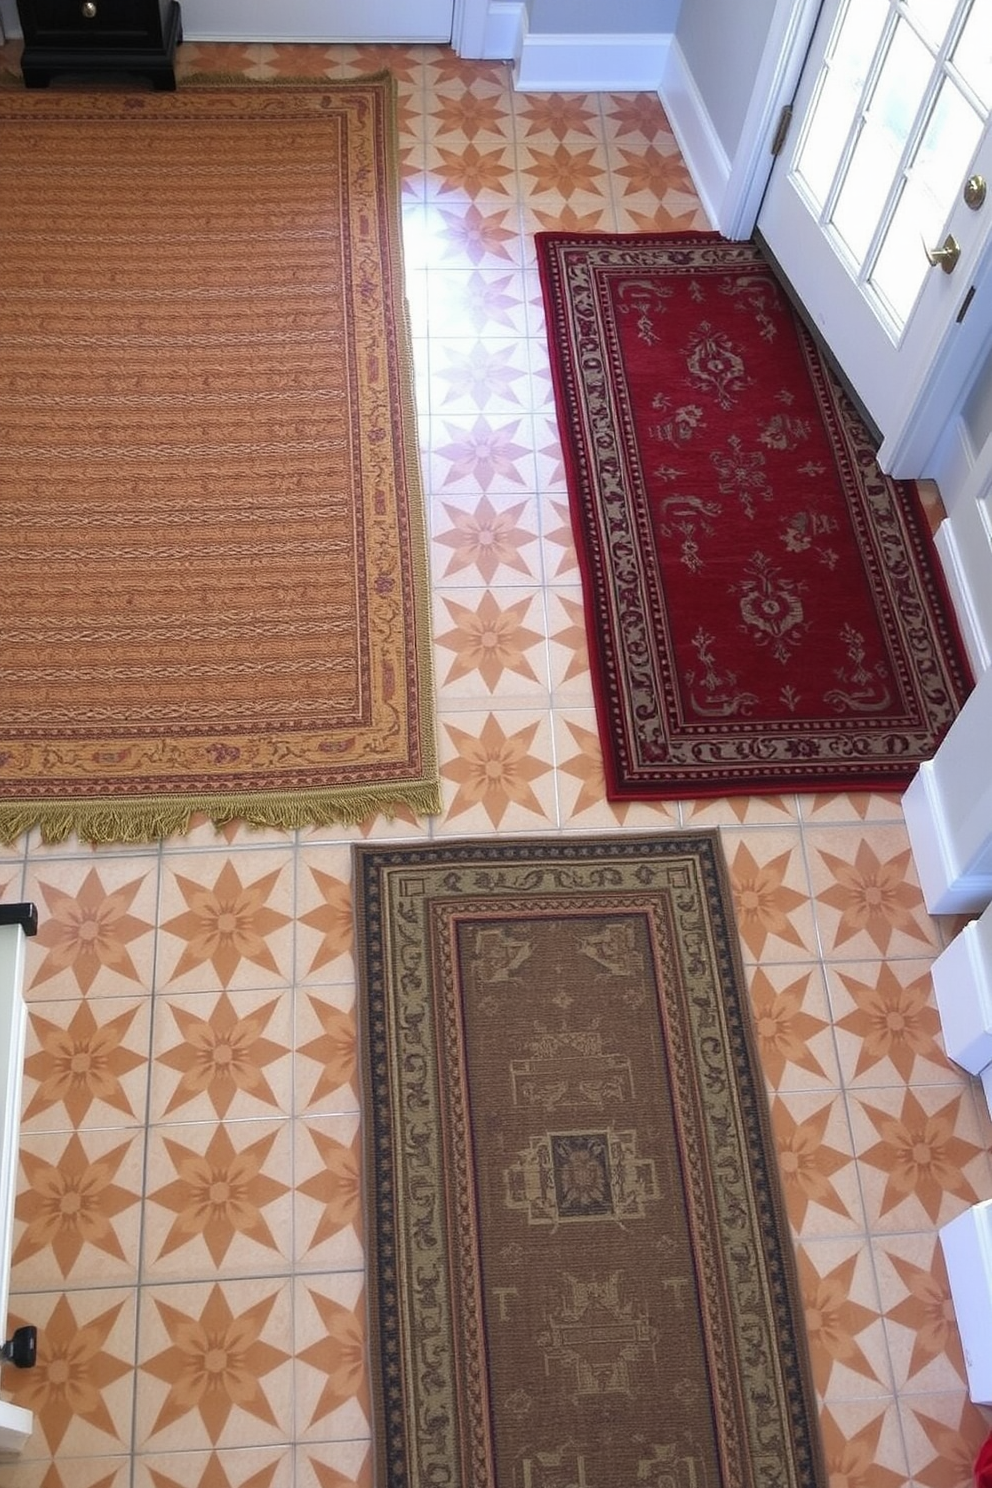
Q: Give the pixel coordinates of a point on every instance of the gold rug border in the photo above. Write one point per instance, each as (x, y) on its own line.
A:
(111, 819)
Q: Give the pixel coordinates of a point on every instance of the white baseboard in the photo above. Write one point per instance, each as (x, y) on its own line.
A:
(956, 559)
(946, 890)
(702, 151)
(505, 27)
(584, 63)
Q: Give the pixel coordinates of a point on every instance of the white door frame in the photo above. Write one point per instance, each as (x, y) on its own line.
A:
(930, 406)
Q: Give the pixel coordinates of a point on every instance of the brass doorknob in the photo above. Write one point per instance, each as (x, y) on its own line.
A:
(946, 255)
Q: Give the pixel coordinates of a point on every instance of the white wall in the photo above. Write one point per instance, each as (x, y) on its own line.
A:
(722, 43)
(564, 17)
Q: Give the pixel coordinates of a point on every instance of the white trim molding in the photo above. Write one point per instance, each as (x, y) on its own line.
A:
(700, 146)
(591, 63)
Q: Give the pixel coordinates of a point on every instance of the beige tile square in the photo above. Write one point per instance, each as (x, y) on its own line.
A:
(218, 1056)
(219, 1200)
(326, 1075)
(324, 920)
(242, 1467)
(96, 926)
(226, 919)
(496, 772)
(77, 1216)
(792, 1027)
(215, 1365)
(86, 1064)
(771, 893)
(886, 1023)
(866, 893)
(331, 1388)
(327, 1216)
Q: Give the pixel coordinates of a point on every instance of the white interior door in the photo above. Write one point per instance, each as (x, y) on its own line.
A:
(891, 122)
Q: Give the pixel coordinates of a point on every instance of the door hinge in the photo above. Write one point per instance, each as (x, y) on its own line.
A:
(784, 120)
(965, 305)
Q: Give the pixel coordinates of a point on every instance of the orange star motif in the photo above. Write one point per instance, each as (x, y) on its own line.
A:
(215, 1362)
(219, 1195)
(928, 1312)
(494, 770)
(80, 1064)
(567, 219)
(564, 539)
(476, 235)
(71, 1374)
(806, 1163)
(489, 640)
(481, 454)
(333, 1050)
(784, 1030)
(655, 171)
(641, 114)
(873, 896)
(340, 1354)
(573, 637)
(337, 1186)
(470, 170)
(893, 1022)
(921, 1155)
(565, 171)
(833, 1320)
(215, 1475)
(226, 924)
(956, 1447)
(587, 768)
(852, 1461)
(557, 114)
(221, 1055)
(71, 1203)
(470, 115)
(332, 918)
(90, 929)
(763, 900)
(486, 538)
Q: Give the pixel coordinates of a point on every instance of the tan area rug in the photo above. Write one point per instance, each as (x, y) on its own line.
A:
(213, 556)
(581, 1271)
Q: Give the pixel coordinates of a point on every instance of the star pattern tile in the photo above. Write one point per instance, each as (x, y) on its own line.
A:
(188, 1225)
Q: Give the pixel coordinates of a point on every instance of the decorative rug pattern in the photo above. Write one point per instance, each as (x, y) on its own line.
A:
(766, 608)
(215, 593)
(580, 1266)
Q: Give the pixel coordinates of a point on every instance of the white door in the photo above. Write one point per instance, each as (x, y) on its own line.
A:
(891, 123)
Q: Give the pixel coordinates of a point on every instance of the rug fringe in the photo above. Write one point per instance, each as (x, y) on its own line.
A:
(152, 819)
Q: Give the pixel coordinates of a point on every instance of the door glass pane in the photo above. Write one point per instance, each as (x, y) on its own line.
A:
(973, 53)
(896, 99)
(940, 165)
(839, 97)
(932, 17)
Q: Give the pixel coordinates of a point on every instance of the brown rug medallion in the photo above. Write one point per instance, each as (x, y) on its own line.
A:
(581, 1270)
(214, 593)
(766, 609)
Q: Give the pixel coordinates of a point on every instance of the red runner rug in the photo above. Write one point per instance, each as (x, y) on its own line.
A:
(765, 608)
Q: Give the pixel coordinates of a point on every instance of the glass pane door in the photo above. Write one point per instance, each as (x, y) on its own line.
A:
(900, 106)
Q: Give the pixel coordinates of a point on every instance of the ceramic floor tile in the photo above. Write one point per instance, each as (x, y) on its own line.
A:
(219, 1200)
(867, 896)
(96, 927)
(924, 1343)
(245, 1467)
(843, 1319)
(78, 1209)
(494, 539)
(496, 772)
(490, 645)
(215, 1365)
(816, 1163)
(226, 920)
(792, 1027)
(921, 1155)
(771, 893)
(326, 1077)
(86, 1064)
(334, 1465)
(328, 1194)
(331, 1387)
(886, 1023)
(81, 1388)
(863, 1445)
(76, 1472)
(943, 1434)
(325, 925)
(217, 1059)
(581, 783)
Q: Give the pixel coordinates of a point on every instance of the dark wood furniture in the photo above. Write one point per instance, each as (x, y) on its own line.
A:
(115, 38)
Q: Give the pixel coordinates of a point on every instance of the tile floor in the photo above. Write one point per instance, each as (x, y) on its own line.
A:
(188, 1230)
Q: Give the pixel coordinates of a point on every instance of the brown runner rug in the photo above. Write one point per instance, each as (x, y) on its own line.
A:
(213, 557)
(766, 609)
(581, 1270)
